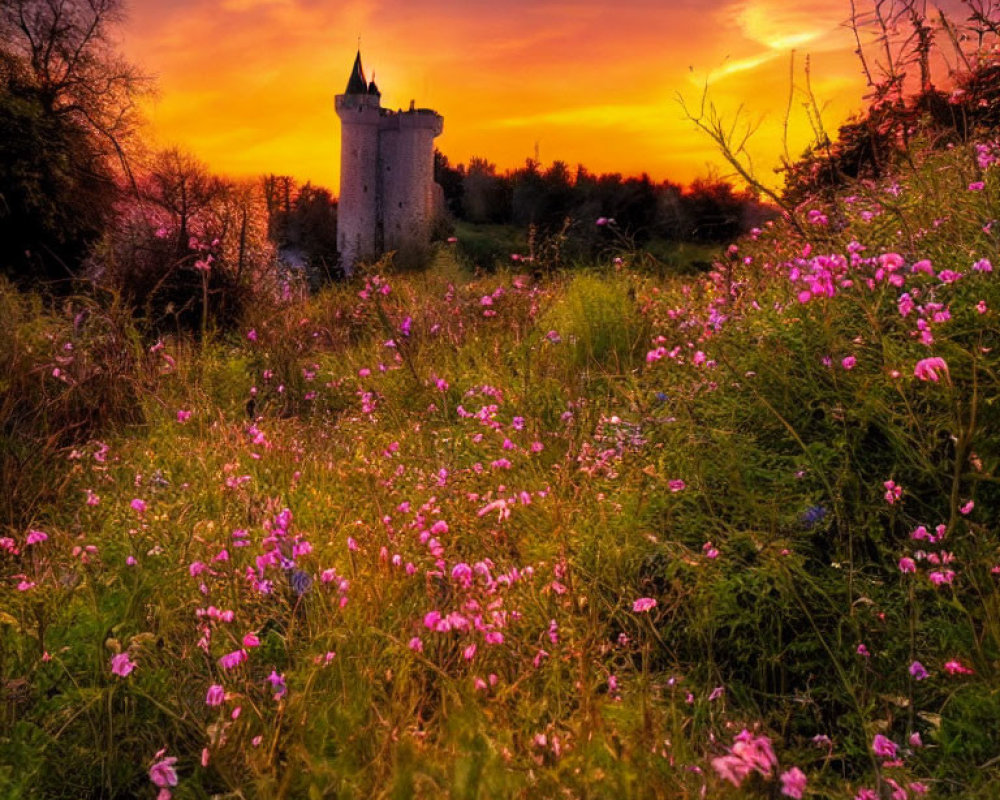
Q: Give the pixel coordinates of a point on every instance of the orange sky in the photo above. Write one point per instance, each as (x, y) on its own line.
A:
(248, 85)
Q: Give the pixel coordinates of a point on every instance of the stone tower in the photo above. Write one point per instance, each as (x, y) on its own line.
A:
(387, 190)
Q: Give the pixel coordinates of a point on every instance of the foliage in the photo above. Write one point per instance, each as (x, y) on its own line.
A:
(710, 210)
(66, 126)
(499, 535)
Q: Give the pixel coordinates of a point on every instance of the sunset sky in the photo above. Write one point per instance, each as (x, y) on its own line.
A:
(248, 85)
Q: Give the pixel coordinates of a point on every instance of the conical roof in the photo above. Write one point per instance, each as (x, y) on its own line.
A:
(357, 84)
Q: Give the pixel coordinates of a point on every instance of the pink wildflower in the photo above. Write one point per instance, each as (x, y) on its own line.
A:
(848, 362)
(122, 665)
(162, 773)
(35, 537)
(931, 369)
(731, 768)
(233, 659)
(893, 492)
(918, 671)
(956, 667)
(793, 783)
(215, 695)
(643, 604)
(907, 564)
(883, 747)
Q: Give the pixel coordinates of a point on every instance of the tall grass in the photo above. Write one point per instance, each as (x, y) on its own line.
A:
(488, 483)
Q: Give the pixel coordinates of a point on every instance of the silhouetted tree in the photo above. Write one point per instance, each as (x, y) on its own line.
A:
(66, 121)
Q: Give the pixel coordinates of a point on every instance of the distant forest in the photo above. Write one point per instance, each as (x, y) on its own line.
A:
(709, 210)
(302, 218)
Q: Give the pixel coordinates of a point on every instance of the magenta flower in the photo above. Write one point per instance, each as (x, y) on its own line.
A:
(676, 485)
(977, 186)
(35, 537)
(643, 604)
(893, 492)
(907, 564)
(883, 747)
(122, 665)
(983, 265)
(956, 667)
(848, 362)
(941, 577)
(138, 505)
(793, 783)
(931, 369)
(233, 659)
(215, 695)
(162, 773)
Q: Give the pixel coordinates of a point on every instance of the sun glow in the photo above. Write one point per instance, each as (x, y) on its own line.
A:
(248, 85)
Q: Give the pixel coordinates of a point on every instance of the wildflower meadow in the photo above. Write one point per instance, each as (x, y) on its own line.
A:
(576, 521)
(596, 534)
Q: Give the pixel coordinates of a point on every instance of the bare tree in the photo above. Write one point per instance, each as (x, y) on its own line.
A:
(63, 53)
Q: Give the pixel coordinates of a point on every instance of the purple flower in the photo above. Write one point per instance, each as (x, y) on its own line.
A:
(233, 659)
(918, 671)
(643, 604)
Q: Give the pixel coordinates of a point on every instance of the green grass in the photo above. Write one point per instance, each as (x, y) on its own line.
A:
(530, 459)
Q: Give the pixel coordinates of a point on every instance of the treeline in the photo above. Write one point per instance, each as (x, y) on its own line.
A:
(86, 206)
(302, 222)
(709, 210)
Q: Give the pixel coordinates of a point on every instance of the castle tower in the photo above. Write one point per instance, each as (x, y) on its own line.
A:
(387, 191)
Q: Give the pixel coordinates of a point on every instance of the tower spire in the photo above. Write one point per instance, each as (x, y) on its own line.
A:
(356, 83)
